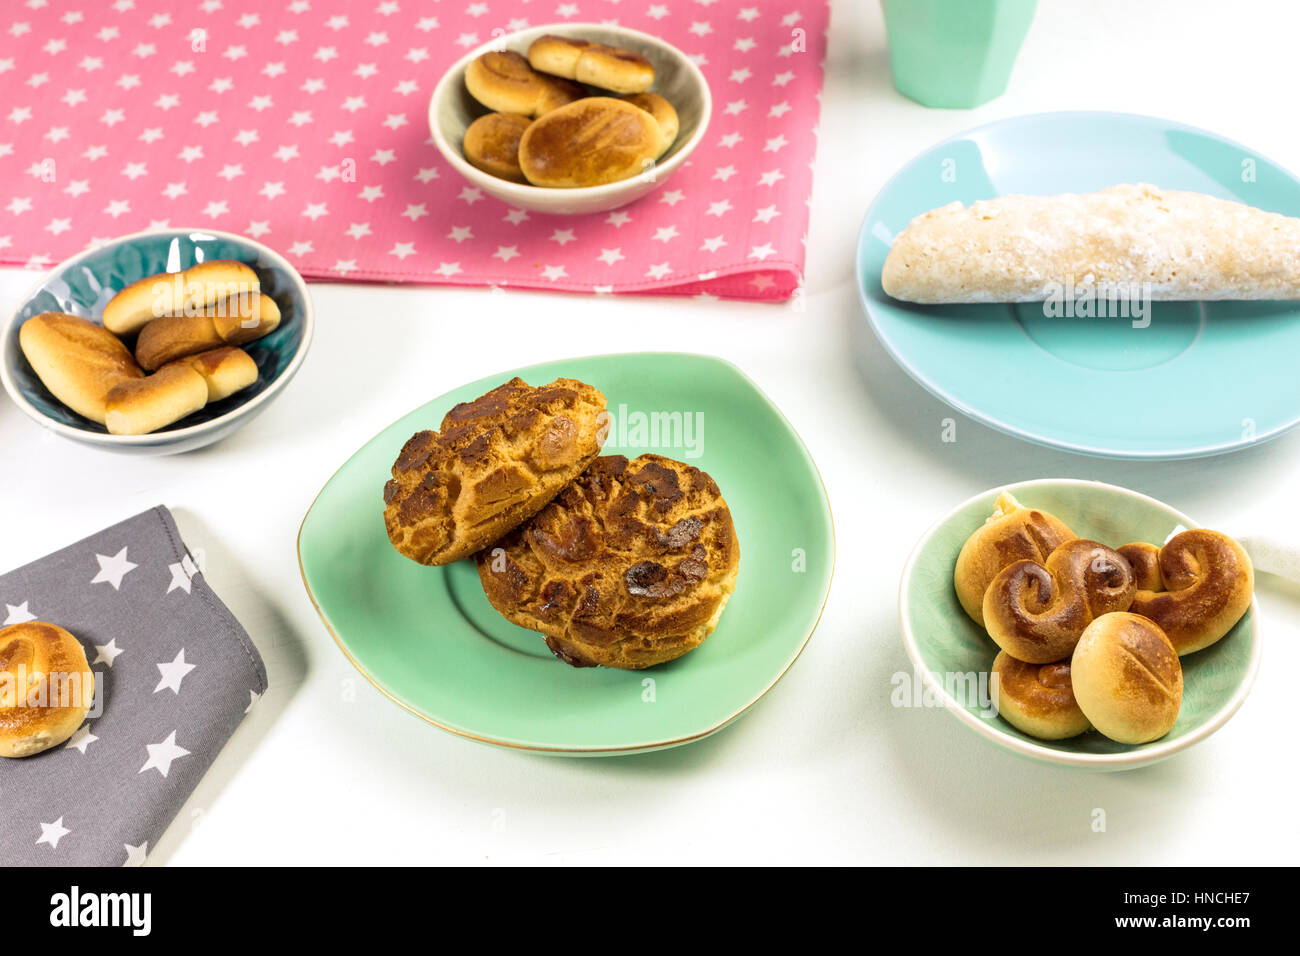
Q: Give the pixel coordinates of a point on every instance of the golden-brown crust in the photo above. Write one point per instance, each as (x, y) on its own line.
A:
(1036, 612)
(177, 293)
(1038, 699)
(225, 370)
(591, 142)
(144, 405)
(492, 144)
(175, 336)
(663, 112)
(244, 318)
(503, 81)
(78, 360)
(1197, 587)
(44, 667)
(596, 64)
(1127, 678)
(630, 566)
(494, 462)
(1012, 533)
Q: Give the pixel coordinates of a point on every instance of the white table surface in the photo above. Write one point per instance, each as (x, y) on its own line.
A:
(327, 771)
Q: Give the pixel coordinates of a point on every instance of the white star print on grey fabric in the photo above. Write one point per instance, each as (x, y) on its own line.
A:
(18, 614)
(173, 673)
(82, 739)
(113, 570)
(135, 854)
(161, 755)
(107, 653)
(52, 833)
(182, 571)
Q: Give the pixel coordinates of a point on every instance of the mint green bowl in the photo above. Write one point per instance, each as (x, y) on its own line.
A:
(429, 639)
(945, 645)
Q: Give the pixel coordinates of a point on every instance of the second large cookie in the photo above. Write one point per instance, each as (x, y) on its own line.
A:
(494, 462)
(630, 566)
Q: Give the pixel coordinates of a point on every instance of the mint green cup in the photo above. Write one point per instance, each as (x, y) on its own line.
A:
(955, 54)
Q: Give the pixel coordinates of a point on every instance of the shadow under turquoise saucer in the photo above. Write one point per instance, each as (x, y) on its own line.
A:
(946, 646)
(83, 286)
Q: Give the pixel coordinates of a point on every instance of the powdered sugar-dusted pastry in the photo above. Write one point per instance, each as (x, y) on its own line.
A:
(1185, 245)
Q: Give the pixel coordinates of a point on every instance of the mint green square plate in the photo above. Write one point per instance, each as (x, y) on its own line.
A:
(1203, 378)
(428, 638)
(946, 646)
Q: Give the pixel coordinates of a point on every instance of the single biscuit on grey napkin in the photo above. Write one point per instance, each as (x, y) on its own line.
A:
(175, 674)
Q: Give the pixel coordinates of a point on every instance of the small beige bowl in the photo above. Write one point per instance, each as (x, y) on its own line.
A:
(677, 79)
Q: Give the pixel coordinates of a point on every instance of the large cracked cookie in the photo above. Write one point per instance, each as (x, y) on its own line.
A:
(630, 566)
(494, 463)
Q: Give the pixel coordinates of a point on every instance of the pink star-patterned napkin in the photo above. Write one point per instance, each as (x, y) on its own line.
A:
(302, 124)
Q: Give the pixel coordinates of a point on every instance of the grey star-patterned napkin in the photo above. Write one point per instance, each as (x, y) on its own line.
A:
(175, 674)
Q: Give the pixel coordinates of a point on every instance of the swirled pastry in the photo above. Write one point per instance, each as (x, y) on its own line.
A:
(1038, 699)
(1013, 532)
(46, 687)
(630, 566)
(1036, 612)
(494, 462)
(1024, 248)
(1197, 587)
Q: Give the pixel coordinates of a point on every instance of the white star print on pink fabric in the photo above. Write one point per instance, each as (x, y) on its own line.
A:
(300, 123)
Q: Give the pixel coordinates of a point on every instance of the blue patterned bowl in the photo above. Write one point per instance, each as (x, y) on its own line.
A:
(84, 284)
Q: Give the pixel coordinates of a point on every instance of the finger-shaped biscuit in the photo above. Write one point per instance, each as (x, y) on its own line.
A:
(244, 318)
(78, 360)
(177, 293)
(226, 370)
(175, 336)
(608, 67)
(147, 404)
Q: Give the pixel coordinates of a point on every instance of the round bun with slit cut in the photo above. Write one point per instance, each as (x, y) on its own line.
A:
(630, 566)
(1127, 678)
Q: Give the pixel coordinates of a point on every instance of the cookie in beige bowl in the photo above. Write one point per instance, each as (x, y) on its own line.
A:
(452, 109)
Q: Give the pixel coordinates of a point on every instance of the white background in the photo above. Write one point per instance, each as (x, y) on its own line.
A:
(824, 769)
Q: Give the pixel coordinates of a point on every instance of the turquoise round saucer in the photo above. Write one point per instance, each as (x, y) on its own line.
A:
(1202, 378)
